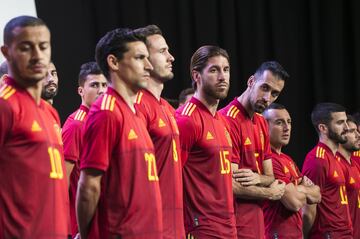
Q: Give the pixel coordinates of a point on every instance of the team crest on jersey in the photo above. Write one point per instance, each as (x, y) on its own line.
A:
(161, 123)
(35, 127)
(209, 136)
(132, 135)
(228, 138)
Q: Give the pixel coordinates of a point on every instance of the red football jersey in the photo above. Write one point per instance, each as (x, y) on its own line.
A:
(205, 154)
(161, 125)
(72, 139)
(352, 176)
(116, 142)
(332, 213)
(33, 195)
(279, 221)
(251, 146)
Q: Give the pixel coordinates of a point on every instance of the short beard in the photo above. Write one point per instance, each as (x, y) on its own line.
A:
(154, 74)
(215, 94)
(46, 95)
(350, 147)
(336, 138)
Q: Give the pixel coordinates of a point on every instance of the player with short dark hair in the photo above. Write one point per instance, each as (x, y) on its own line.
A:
(330, 218)
(206, 149)
(283, 218)
(251, 161)
(118, 192)
(351, 169)
(33, 195)
(92, 84)
(159, 118)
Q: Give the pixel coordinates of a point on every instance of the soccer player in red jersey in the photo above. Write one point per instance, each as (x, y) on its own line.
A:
(206, 149)
(33, 194)
(160, 122)
(92, 84)
(330, 218)
(283, 218)
(251, 160)
(50, 84)
(351, 171)
(118, 192)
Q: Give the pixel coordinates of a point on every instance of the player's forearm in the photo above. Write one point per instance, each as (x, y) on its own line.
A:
(312, 193)
(309, 214)
(69, 165)
(86, 203)
(293, 199)
(251, 192)
(266, 180)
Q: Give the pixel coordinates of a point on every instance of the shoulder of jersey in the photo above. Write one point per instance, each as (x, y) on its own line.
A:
(259, 115)
(80, 115)
(188, 109)
(320, 152)
(232, 112)
(6, 91)
(107, 102)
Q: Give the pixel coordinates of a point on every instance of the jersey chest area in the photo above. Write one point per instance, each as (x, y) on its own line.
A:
(35, 125)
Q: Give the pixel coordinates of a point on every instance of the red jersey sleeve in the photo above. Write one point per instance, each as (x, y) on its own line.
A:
(6, 121)
(316, 169)
(267, 147)
(99, 139)
(71, 136)
(187, 136)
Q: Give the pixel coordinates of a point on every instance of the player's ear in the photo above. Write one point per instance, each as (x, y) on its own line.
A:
(4, 51)
(251, 81)
(112, 62)
(196, 76)
(322, 128)
(81, 91)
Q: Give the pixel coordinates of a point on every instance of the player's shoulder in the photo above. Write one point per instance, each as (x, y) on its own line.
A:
(188, 110)
(50, 110)
(9, 95)
(232, 111)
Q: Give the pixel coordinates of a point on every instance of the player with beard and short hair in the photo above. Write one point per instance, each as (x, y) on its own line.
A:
(251, 161)
(330, 218)
(283, 218)
(33, 194)
(351, 170)
(50, 84)
(206, 149)
(159, 118)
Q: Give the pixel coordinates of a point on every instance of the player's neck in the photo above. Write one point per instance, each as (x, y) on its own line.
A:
(245, 102)
(34, 89)
(345, 153)
(126, 92)
(210, 102)
(330, 143)
(276, 148)
(155, 87)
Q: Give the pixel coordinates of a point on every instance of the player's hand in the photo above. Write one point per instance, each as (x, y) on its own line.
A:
(307, 182)
(246, 177)
(277, 189)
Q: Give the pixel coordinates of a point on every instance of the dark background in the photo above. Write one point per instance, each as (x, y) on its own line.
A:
(317, 42)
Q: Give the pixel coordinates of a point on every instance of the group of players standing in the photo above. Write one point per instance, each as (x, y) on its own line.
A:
(136, 168)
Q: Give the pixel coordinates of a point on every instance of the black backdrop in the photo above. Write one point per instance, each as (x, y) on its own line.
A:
(317, 42)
